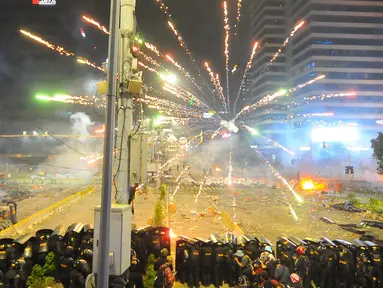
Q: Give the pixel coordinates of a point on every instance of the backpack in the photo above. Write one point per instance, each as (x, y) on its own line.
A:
(169, 278)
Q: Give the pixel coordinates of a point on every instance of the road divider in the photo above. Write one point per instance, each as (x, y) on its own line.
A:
(26, 224)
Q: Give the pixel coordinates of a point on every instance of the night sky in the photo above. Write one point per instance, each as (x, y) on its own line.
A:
(27, 67)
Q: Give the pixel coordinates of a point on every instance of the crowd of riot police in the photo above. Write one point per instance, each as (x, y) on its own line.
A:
(73, 250)
(309, 263)
(214, 261)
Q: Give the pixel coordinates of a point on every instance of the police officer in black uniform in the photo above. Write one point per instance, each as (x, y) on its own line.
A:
(346, 268)
(135, 274)
(79, 273)
(362, 271)
(328, 265)
(219, 269)
(182, 258)
(376, 273)
(194, 264)
(314, 258)
(66, 263)
(206, 261)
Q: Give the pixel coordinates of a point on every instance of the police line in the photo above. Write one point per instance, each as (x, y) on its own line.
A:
(319, 262)
(210, 261)
(73, 250)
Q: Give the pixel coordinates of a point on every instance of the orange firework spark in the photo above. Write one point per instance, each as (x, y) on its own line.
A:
(153, 48)
(248, 66)
(148, 68)
(217, 84)
(60, 50)
(51, 46)
(87, 62)
(183, 71)
(296, 28)
(95, 23)
(179, 38)
(239, 6)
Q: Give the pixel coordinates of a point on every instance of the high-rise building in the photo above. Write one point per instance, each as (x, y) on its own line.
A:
(268, 27)
(341, 39)
(344, 41)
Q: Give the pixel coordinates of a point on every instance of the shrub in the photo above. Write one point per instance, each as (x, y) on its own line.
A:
(40, 276)
(150, 274)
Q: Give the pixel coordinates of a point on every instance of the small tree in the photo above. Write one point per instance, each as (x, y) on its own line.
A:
(41, 276)
(377, 146)
(150, 274)
(159, 217)
(163, 192)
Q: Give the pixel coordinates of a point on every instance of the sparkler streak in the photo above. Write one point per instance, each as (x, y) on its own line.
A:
(60, 50)
(95, 23)
(296, 28)
(276, 144)
(200, 189)
(51, 46)
(277, 175)
(248, 66)
(217, 84)
(269, 98)
(226, 50)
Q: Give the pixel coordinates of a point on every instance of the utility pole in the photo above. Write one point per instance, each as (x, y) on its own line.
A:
(122, 20)
(106, 200)
(128, 78)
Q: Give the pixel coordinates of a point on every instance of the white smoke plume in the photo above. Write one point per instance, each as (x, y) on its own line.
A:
(80, 125)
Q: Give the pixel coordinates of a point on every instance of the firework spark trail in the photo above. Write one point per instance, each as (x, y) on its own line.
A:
(183, 71)
(291, 90)
(185, 95)
(182, 173)
(278, 176)
(78, 100)
(267, 99)
(171, 108)
(276, 144)
(51, 46)
(296, 28)
(216, 83)
(226, 50)
(230, 174)
(87, 62)
(324, 96)
(248, 66)
(314, 115)
(200, 189)
(293, 213)
(152, 61)
(59, 49)
(151, 69)
(95, 23)
(239, 6)
(165, 9)
(177, 188)
(148, 45)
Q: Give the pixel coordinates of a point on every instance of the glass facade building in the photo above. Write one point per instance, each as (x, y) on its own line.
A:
(341, 39)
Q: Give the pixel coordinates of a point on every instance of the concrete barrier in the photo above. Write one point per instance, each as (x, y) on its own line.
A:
(24, 225)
